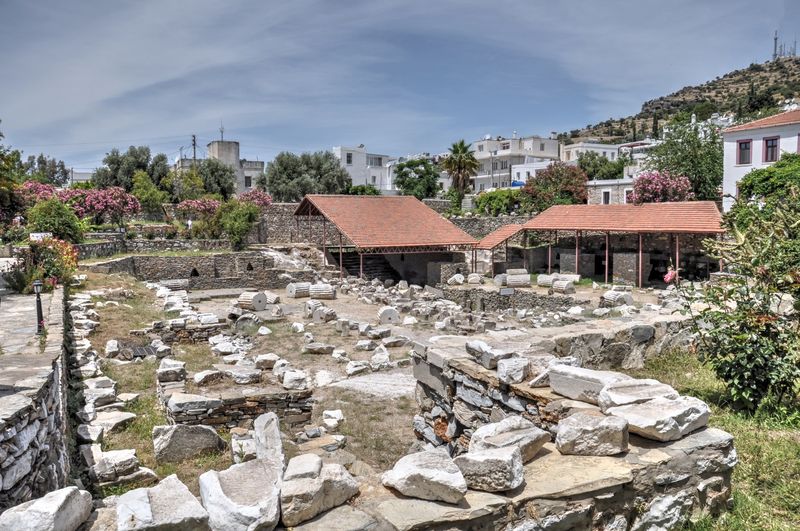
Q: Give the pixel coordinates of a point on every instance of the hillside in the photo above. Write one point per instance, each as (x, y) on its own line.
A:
(743, 92)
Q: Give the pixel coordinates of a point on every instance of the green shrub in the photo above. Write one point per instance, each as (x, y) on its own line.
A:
(749, 330)
(236, 219)
(498, 202)
(54, 216)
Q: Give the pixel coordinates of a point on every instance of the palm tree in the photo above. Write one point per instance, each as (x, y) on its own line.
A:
(461, 165)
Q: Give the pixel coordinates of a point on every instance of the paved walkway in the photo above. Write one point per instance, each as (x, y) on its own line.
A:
(18, 322)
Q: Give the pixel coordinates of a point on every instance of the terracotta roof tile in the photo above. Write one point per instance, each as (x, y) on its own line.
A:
(694, 217)
(784, 118)
(495, 238)
(385, 221)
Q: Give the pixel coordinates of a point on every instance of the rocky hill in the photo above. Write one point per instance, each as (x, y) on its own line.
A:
(743, 92)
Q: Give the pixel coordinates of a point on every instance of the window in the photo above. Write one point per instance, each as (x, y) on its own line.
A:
(771, 149)
(349, 159)
(613, 155)
(627, 195)
(481, 186)
(568, 154)
(372, 160)
(605, 154)
(505, 145)
(518, 176)
(541, 146)
(527, 175)
(606, 197)
(374, 179)
(743, 151)
(494, 165)
(503, 164)
(248, 181)
(480, 147)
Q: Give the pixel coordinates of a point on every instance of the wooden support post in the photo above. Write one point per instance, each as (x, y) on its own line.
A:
(341, 263)
(507, 260)
(607, 240)
(492, 260)
(640, 260)
(324, 241)
(296, 229)
(677, 257)
(549, 258)
(361, 266)
(577, 252)
(309, 226)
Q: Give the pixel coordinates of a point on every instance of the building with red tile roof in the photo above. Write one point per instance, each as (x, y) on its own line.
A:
(755, 145)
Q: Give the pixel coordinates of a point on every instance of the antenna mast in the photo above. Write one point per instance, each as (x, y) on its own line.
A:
(221, 132)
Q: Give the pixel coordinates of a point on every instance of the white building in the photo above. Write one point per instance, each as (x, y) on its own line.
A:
(520, 173)
(227, 152)
(637, 152)
(367, 168)
(756, 145)
(498, 156)
(570, 152)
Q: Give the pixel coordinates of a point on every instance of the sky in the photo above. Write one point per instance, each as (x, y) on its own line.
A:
(80, 78)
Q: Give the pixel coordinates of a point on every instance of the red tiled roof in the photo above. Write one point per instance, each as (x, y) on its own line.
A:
(693, 217)
(784, 118)
(385, 221)
(495, 238)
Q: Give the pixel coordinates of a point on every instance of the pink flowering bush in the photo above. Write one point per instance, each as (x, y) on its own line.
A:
(661, 187)
(198, 208)
(256, 197)
(113, 203)
(31, 192)
(669, 278)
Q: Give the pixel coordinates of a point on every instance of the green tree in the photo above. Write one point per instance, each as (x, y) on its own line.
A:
(693, 150)
(150, 197)
(765, 188)
(54, 216)
(461, 165)
(497, 202)
(46, 170)
(558, 184)
(183, 185)
(118, 168)
(10, 176)
(363, 189)
(218, 178)
(236, 219)
(598, 167)
(654, 127)
(417, 177)
(289, 177)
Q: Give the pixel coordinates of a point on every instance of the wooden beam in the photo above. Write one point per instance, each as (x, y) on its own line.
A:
(640, 260)
(607, 243)
(341, 264)
(577, 252)
(677, 257)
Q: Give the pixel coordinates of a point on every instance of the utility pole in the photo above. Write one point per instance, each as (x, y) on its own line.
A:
(221, 132)
(775, 46)
(194, 150)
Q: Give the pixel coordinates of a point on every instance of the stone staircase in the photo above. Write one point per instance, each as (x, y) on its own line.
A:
(375, 265)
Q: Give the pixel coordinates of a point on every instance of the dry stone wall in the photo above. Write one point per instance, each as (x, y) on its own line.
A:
(117, 246)
(34, 431)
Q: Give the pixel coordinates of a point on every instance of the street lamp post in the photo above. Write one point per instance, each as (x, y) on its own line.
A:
(37, 288)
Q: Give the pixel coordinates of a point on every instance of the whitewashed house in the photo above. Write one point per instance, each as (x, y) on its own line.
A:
(754, 145)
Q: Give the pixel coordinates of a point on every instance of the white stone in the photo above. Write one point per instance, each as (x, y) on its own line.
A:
(511, 431)
(267, 436)
(513, 370)
(428, 475)
(662, 419)
(61, 510)
(112, 348)
(298, 328)
(581, 384)
(633, 391)
(304, 498)
(388, 315)
(245, 497)
(303, 466)
(575, 310)
(492, 470)
(584, 434)
(380, 359)
(455, 280)
(356, 367)
(667, 511)
(485, 354)
(264, 331)
(207, 377)
(177, 442)
(409, 320)
(168, 505)
(295, 379)
(171, 371)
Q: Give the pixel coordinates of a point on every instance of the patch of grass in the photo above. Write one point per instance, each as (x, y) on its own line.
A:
(766, 482)
(378, 430)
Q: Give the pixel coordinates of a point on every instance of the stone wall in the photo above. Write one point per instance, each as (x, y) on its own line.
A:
(34, 431)
(293, 408)
(244, 270)
(439, 205)
(480, 226)
(104, 249)
(490, 300)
